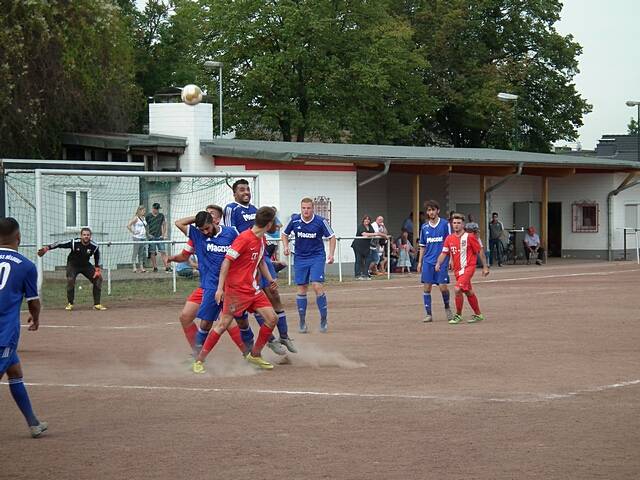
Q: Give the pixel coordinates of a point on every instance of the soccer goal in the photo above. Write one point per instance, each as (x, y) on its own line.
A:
(54, 205)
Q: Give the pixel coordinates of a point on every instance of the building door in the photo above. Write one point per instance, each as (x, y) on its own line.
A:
(554, 225)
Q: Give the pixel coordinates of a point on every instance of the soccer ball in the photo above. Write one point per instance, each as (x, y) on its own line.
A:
(191, 94)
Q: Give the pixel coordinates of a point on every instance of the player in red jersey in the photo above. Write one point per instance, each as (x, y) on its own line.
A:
(464, 248)
(238, 287)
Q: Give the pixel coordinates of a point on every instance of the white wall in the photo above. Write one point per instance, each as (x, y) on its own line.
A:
(195, 122)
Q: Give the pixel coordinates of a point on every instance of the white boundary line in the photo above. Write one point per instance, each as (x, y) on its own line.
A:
(518, 398)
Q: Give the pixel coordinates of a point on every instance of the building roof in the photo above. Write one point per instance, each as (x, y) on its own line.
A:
(126, 141)
(620, 147)
(435, 160)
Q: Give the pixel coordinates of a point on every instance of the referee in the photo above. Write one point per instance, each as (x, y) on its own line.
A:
(82, 249)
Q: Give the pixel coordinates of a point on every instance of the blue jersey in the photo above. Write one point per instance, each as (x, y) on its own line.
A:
(432, 239)
(239, 216)
(309, 235)
(18, 279)
(210, 252)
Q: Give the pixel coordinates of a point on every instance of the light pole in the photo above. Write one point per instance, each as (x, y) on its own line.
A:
(508, 98)
(211, 65)
(631, 103)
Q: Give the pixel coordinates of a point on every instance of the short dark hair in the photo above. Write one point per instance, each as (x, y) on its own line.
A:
(85, 229)
(431, 204)
(242, 181)
(217, 208)
(203, 218)
(494, 213)
(8, 227)
(264, 215)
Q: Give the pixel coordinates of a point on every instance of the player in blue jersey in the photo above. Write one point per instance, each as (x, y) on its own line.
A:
(211, 242)
(241, 214)
(432, 235)
(309, 230)
(18, 279)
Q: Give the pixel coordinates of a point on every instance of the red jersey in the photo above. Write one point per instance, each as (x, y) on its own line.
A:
(245, 255)
(188, 249)
(463, 250)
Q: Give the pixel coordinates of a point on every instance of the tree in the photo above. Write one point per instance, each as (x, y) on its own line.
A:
(70, 68)
(327, 70)
(632, 127)
(478, 48)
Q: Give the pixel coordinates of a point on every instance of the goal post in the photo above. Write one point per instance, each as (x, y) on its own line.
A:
(105, 201)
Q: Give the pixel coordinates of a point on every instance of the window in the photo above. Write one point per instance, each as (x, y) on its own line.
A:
(77, 208)
(585, 217)
(631, 216)
(322, 207)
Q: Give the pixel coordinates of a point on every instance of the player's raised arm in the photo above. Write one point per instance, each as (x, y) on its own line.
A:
(182, 224)
(53, 246)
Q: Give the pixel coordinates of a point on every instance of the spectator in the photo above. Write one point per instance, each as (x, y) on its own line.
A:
(157, 230)
(496, 230)
(377, 246)
(405, 252)
(188, 268)
(138, 228)
(408, 225)
(532, 246)
(394, 256)
(361, 248)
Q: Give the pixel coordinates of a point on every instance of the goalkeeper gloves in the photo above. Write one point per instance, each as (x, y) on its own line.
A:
(98, 273)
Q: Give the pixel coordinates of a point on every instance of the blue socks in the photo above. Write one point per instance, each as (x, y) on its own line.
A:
(426, 298)
(321, 300)
(201, 336)
(19, 394)
(445, 299)
(301, 302)
(283, 329)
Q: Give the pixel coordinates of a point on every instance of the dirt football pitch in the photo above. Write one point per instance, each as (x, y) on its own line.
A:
(547, 387)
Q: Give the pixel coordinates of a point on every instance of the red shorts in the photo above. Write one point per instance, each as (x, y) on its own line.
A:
(237, 303)
(463, 282)
(196, 296)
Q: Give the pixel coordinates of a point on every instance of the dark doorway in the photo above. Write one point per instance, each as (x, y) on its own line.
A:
(555, 229)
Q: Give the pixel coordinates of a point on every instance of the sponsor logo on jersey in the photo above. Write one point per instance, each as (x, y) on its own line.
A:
(217, 248)
(306, 235)
(248, 216)
(435, 239)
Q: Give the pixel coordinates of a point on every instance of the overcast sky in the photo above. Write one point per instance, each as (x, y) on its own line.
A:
(609, 65)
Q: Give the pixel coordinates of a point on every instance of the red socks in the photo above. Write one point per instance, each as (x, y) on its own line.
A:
(209, 343)
(263, 338)
(190, 332)
(459, 303)
(473, 302)
(234, 333)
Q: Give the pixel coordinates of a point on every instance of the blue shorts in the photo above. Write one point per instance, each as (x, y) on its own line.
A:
(209, 310)
(272, 270)
(309, 270)
(8, 357)
(374, 257)
(157, 247)
(429, 274)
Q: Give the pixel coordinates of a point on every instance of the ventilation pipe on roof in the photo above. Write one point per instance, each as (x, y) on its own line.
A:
(387, 164)
(627, 183)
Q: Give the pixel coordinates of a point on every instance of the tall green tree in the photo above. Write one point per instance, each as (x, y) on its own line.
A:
(478, 48)
(324, 70)
(64, 66)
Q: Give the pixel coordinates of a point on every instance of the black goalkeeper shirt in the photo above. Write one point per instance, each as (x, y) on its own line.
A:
(80, 254)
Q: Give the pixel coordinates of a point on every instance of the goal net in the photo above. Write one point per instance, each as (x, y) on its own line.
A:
(53, 206)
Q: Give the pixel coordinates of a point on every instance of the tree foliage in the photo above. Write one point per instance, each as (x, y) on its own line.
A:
(632, 127)
(64, 66)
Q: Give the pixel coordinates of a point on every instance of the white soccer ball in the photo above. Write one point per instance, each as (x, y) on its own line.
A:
(191, 94)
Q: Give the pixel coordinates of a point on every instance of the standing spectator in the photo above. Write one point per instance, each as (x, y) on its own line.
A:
(405, 250)
(361, 248)
(157, 230)
(495, 239)
(377, 245)
(82, 249)
(138, 228)
(532, 245)
(408, 226)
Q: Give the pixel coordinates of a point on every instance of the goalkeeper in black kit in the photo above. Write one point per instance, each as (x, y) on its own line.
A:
(82, 249)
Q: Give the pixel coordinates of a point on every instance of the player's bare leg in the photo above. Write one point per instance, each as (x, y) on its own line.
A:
(20, 396)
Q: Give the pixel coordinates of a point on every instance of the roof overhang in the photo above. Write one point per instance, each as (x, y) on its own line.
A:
(417, 160)
(127, 142)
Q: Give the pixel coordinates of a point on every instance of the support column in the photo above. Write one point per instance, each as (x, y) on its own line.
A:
(483, 211)
(544, 218)
(416, 207)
